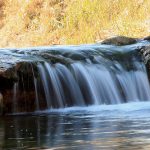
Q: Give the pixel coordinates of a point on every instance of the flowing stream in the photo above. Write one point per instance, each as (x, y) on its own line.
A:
(113, 127)
(85, 75)
(95, 97)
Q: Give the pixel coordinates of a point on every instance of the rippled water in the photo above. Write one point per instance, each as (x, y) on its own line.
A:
(113, 127)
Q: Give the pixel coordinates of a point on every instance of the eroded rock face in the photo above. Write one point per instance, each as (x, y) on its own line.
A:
(120, 41)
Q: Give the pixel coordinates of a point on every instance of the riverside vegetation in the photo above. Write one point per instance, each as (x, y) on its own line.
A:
(26, 23)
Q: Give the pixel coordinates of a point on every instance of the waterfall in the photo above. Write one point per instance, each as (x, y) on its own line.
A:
(86, 83)
(86, 75)
(46, 86)
(15, 105)
(36, 90)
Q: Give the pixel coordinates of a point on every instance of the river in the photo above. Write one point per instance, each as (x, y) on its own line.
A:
(113, 127)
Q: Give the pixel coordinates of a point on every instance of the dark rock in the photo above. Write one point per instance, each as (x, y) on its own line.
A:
(145, 51)
(1, 103)
(147, 38)
(56, 59)
(119, 41)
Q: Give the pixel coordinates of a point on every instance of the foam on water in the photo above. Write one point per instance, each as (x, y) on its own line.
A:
(131, 109)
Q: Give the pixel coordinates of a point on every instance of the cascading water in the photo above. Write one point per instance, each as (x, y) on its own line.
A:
(15, 89)
(94, 84)
(87, 75)
(38, 81)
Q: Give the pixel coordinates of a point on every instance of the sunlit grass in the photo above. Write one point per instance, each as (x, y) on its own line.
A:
(46, 22)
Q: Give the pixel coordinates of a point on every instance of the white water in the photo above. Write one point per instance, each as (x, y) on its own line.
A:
(98, 81)
(45, 85)
(93, 84)
(131, 109)
(56, 84)
(36, 94)
(15, 89)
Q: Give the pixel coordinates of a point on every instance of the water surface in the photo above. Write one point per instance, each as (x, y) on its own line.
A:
(111, 127)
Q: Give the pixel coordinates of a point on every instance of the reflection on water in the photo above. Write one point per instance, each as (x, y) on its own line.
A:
(78, 130)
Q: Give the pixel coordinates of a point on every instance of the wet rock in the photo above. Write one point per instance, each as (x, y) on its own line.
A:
(56, 59)
(7, 64)
(119, 41)
(1, 103)
(145, 51)
(147, 38)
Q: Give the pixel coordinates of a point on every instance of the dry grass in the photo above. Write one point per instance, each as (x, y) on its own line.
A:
(45, 22)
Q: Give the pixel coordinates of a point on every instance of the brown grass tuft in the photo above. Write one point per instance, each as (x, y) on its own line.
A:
(44, 22)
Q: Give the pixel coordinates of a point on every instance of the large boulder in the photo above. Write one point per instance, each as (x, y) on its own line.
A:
(147, 38)
(119, 41)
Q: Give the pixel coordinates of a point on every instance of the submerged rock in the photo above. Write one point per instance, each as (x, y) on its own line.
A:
(119, 41)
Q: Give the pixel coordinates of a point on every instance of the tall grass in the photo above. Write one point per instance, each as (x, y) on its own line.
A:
(46, 22)
(92, 20)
